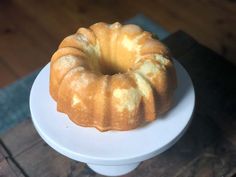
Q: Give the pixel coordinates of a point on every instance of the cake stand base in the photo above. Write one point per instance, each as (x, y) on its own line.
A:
(113, 170)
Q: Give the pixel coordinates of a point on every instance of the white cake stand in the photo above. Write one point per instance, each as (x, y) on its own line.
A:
(111, 153)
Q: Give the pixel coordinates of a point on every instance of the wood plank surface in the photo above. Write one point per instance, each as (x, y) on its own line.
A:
(8, 167)
(13, 168)
(35, 157)
(43, 161)
(34, 29)
(21, 138)
(5, 170)
(3, 153)
(220, 155)
(38, 159)
(23, 45)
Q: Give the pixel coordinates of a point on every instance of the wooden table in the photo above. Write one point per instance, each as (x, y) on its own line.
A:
(207, 149)
(30, 30)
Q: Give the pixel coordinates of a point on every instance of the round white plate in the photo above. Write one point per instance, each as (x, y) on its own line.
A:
(112, 147)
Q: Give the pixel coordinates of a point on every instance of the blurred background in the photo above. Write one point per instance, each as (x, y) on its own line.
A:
(31, 30)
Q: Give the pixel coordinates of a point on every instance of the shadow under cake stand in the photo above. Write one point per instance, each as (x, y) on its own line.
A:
(110, 153)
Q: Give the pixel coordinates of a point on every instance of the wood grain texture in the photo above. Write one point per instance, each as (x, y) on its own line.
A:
(14, 168)
(42, 160)
(8, 167)
(34, 29)
(220, 155)
(35, 157)
(3, 152)
(21, 138)
(23, 46)
(212, 23)
(5, 169)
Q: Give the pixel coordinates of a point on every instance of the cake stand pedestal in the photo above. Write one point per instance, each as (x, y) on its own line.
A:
(110, 153)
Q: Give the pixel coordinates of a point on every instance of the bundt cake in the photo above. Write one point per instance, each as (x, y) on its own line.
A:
(112, 77)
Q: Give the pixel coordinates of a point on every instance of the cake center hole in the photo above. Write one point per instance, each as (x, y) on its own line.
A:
(107, 68)
(114, 62)
(113, 66)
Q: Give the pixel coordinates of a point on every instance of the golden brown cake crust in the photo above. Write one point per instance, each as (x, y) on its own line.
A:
(112, 77)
